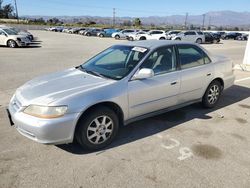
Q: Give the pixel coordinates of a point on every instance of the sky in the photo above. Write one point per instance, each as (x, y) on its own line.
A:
(131, 8)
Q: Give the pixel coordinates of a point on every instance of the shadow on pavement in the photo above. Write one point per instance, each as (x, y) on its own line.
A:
(157, 124)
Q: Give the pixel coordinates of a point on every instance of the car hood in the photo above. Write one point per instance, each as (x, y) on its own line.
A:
(50, 88)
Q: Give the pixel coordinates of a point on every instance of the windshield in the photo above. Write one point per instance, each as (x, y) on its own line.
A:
(10, 32)
(115, 62)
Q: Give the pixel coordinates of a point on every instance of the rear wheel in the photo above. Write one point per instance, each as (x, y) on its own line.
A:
(117, 37)
(212, 94)
(11, 44)
(198, 41)
(97, 129)
(101, 35)
(130, 38)
(162, 38)
(88, 34)
(142, 38)
(178, 39)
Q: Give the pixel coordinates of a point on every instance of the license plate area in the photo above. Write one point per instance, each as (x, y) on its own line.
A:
(9, 117)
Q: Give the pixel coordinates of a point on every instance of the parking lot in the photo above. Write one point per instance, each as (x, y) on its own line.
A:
(189, 147)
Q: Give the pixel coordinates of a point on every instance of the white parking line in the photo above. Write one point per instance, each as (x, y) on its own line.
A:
(243, 79)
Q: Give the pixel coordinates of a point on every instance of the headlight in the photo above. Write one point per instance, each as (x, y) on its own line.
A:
(46, 112)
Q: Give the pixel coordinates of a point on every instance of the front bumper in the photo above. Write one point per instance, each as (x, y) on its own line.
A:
(46, 131)
(23, 43)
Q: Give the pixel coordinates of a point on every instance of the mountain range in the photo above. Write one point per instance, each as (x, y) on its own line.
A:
(213, 18)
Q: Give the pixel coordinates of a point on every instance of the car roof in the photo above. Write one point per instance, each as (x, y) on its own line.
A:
(152, 44)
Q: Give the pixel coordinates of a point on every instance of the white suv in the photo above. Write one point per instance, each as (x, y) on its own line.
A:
(190, 36)
(154, 34)
(12, 39)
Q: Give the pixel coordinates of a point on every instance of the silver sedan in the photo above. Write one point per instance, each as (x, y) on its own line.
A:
(122, 84)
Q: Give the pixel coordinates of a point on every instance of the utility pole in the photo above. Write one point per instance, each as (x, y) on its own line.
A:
(209, 23)
(186, 20)
(16, 12)
(203, 23)
(113, 17)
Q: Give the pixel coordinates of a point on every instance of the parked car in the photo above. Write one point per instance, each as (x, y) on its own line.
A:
(107, 32)
(134, 36)
(171, 34)
(56, 29)
(154, 34)
(211, 38)
(23, 32)
(190, 36)
(76, 30)
(92, 32)
(123, 84)
(242, 37)
(231, 36)
(66, 30)
(12, 39)
(123, 34)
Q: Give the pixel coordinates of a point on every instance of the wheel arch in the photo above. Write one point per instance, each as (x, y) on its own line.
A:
(112, 105)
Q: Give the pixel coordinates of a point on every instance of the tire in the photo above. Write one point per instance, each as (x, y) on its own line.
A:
(117, 37)
(88, 34)
(130, 38)
(92, 137)
(143, 38)
(162, 38)
(198, 41)
(212, 94)
(178, 39)
(101, 35)
(11, 44)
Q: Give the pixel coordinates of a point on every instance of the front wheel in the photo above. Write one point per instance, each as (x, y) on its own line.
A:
(212, 94)
(11, 44)
(97, 129)
(117, 37)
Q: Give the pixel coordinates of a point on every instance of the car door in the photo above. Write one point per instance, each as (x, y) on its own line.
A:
(2, 37)
(196, 72)
(189, 36)
(161, 90)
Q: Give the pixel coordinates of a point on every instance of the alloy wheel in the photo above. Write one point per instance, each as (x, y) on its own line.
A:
(100, 129)
(213, 94)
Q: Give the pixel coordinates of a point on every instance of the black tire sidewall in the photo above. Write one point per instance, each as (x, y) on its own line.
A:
(12, 41)
(85, 120)
(205, 102)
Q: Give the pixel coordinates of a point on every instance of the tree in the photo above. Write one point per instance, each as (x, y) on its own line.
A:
(53, 21)
(137, 22)
(127, 23)
(6, 11)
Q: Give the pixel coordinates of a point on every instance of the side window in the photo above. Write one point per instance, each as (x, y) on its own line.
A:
(1, 32)
(199, 33)
(162, 60)
(190, 56)
(190, 33)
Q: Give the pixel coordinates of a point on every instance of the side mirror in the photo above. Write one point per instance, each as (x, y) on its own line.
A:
(143, 74)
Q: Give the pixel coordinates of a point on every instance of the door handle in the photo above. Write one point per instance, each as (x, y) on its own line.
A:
(173, 83)
(209, 74)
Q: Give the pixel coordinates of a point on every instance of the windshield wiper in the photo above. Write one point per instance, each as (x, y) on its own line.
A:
(93, 72)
